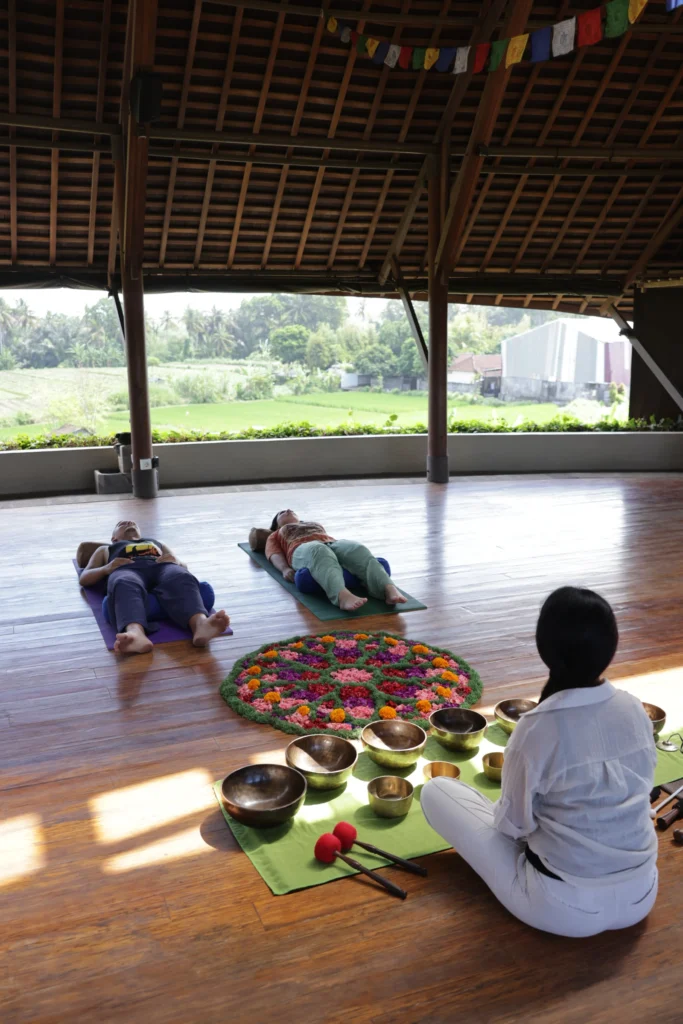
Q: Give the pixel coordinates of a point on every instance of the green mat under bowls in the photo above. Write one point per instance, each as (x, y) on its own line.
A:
(283, 856)
(321, 607)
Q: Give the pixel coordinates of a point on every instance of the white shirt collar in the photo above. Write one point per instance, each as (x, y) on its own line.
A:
(575, 698)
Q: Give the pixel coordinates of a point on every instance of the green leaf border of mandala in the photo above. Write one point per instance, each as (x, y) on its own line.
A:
(229, 686)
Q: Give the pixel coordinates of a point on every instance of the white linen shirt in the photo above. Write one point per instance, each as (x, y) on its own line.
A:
(576, 785)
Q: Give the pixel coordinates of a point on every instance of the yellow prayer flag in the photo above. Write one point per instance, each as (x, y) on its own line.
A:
(332, 25)
(431, 57)
(635, 9)
(515, 50)
(371, 46)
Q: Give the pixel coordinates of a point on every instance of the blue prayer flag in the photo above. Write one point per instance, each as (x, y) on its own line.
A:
(380, 53)
(671, 5)
(446, 58)
(541, 42)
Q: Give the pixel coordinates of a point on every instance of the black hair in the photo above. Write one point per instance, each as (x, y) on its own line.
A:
(273, 525)
(576, 637)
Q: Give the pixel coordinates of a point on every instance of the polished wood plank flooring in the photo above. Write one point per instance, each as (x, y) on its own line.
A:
(122, 894)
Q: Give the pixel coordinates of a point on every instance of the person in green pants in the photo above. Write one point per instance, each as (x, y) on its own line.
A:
(294, 544)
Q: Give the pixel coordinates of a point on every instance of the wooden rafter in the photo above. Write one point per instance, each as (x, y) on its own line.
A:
(187, 78)
(267, 78)
(99, 110)
(117, 205)
(12, 100)
(220, 118)
(56, 110)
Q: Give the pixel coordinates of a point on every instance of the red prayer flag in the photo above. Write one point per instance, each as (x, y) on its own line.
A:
(589, 27)
(481, 55)
(354, 37)
(405, 57)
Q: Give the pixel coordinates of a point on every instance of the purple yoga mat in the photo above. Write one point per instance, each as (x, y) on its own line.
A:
(166, 632)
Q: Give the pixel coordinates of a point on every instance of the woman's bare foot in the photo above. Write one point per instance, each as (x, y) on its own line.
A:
(133, 641)
(204, 630)
(348, 602)
(392, 595)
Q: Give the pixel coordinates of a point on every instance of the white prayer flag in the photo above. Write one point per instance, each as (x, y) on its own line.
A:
(563, 37)
(461, 58)
(391, 58)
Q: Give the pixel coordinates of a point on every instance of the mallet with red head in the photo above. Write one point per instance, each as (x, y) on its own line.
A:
(348, 836)
(329, 847)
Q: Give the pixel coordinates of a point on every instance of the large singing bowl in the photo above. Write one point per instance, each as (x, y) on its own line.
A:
(263, 795)
(509, 712)
(324, 760)
(458, 728)
(393, 743)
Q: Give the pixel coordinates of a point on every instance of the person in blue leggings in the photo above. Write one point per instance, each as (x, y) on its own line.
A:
(135, 566)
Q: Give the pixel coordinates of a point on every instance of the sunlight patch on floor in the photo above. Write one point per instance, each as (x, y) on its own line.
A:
(22, 850)
(663, 688)
(183, 844)
(132, 811)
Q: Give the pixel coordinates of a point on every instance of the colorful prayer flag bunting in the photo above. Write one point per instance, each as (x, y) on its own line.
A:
(563, 36)
(497, 53)
(371, 45)
(671, 5)
(380, 54)
(589, 27)
(431, 57)
(346, 34)
(419, 57)
(515, 50)
(361, 45)
(446, 58)
(616, 18)
(635, 9)
(391, 59)
(540, 44)
(462, 56)
(405, 57)
(481, 55)
(332, 25)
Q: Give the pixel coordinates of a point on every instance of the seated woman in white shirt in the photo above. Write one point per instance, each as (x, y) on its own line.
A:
(569, 847)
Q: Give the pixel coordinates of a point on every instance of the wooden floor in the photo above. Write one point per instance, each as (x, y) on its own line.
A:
(122, 894)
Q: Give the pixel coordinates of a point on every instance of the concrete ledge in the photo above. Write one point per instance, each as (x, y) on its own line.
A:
(69, 470)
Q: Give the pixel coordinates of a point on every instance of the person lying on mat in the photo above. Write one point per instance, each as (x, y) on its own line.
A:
(294, 544)
(135, 566)
(569, 847)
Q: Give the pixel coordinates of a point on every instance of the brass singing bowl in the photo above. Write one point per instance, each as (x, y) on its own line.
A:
(393, 743)
(263, 795)
(508, 712)
(325, 761)
(390, 796)
(434, 769)
(493, 766)
(458, 728)
(657, 716)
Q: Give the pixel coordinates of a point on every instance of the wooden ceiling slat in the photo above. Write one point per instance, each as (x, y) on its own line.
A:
(12, 101)
(56, 110)
(99, 110)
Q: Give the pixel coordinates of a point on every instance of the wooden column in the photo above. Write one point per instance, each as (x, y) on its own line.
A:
(144, 472)
(437, 442)
(658, 313)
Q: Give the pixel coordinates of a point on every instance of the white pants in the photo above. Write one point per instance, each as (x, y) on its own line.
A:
(464, 817)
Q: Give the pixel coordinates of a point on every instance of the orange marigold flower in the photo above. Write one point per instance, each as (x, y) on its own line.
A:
(269, 654)
(303, 710)
(298, 645)
(387, 712)
(361, 636)
(443, 691)
(450, 677)
(337, 715)
(327, 639)
(391, 641)
(439, 663)
(420, 649)
(254, 671)
(254, 684)
(424, 706)
(273, 696)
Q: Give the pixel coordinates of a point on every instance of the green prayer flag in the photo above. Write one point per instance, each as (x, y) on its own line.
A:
(419, 57)
(498, 53)
(616, 18)
(360, 45)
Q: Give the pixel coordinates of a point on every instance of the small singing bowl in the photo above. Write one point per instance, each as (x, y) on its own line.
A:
(434, 769)
(493, 766)
(458, 728)
(389, 796)
(325, 761)
(657, 716)
(263, 795)
(393, 743)
(508, 712)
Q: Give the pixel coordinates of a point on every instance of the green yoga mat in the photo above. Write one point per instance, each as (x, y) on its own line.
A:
(284, 858)
(321, 607)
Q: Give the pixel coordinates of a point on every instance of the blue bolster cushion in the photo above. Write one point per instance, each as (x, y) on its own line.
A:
(307, 585)
(154, 611)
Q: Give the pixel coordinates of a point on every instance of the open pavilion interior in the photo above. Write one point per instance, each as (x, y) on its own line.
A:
(208, 145)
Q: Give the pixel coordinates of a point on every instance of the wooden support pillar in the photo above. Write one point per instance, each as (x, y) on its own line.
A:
(437, 441)
(656, 368)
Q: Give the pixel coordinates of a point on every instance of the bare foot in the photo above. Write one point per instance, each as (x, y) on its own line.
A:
(206, 629)
(392, 595)
(133, 641)
(348, 602)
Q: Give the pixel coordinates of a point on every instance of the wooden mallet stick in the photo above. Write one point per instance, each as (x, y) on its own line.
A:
(328, 848)
(348, 836)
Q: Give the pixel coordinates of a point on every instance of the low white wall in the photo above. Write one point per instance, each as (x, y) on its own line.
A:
(67, 470)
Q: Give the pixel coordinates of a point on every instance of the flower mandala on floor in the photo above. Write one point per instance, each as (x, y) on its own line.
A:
(342, 681)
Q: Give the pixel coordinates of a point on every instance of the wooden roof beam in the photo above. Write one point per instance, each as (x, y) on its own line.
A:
(285, 141)
(220, 118)
(56, 109)
(99, 110)
(12, 101)
(58, 124)
(607, 152)
(187, 77)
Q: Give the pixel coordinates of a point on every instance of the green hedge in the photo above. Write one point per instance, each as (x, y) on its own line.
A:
(559, 425)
